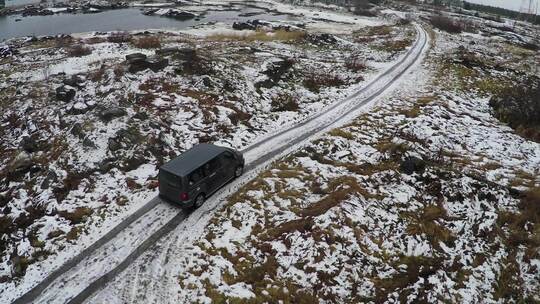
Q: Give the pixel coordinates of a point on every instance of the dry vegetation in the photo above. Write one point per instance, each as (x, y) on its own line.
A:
(148, 42)
(260, 35)
(79, 50)
(452, 25)
(519, 106)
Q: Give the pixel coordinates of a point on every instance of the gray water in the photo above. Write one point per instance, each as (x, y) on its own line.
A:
(10, 3)
(126, 19)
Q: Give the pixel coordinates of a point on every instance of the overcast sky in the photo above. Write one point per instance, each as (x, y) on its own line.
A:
(509, 4)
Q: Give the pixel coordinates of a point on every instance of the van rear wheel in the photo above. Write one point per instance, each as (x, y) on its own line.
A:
(239, 170)
(199, 200)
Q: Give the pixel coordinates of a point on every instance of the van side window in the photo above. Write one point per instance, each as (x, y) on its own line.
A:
(211, 166)
(195, 176)
(227, 155)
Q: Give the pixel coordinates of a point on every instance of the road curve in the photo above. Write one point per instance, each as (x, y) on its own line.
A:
(257, 155)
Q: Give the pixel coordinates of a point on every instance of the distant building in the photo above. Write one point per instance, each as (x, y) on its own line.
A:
(2, 3)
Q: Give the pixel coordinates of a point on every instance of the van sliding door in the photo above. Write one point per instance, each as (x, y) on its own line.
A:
(214, 175)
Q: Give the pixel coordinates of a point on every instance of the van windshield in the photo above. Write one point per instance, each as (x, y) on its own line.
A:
(169, 178)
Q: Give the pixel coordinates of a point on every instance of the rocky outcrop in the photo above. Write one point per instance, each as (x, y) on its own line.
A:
(412, 165)
(250, 25)
(321, 39)
(76, 81)
(36, 11)
(177, 14)
(31, 144)
(65, 93)
(139, 62)
(125, 139)
(7, 51)
(81, 107)
(111, 113)
(135, 58)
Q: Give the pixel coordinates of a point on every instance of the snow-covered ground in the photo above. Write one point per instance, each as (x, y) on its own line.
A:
(75, 169)
(410, 202)
(341, 219)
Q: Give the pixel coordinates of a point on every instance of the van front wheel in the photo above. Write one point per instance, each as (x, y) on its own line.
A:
(199, 200)
(239, 170)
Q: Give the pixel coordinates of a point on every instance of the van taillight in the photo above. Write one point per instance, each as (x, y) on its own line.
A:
(184, 196)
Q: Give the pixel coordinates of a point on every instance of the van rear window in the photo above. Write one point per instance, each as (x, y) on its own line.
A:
(169, 178)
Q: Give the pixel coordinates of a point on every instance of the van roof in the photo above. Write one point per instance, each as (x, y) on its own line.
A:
(192, 159)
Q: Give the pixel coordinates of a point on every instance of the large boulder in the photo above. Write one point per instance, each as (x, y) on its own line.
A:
(135, 57)
(7, 51)
(79, 108)
(77, 130)
(178, 14)
(114, 144)
(28, 144)
(65, 93)
(21, 162)
(75, 81)
(111, 113)
(250, 25)
(158, 65)
(138, 66)
(412, 165)
(321, 39)
(125, 139)
(51, 178)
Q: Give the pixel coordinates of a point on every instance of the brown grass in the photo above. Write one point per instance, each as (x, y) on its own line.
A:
(150, 42)
(338, 190)
(394, 46)
(509, 285)
(284, 102)
(119, 71)
(119, 37)
(77, 216)
(315, 82)
(381, 30)
(341, 133)
(417, 267)
(426, 224)
(529, 213)
(279, 35)
(301, 225)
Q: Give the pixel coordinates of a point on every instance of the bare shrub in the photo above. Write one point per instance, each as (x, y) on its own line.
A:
(119, 37)
(119, 71)
(355, 64)
(76, 216)
(278, 35)
(284, 102)
(239, 116)
(98, 74)
(95, 40)
(519, 107)
(79, 50)
(314, 82)
(150, 42)
(63, 42)
(446, 24)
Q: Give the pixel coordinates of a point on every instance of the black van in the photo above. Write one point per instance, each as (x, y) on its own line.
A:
(191, 177)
